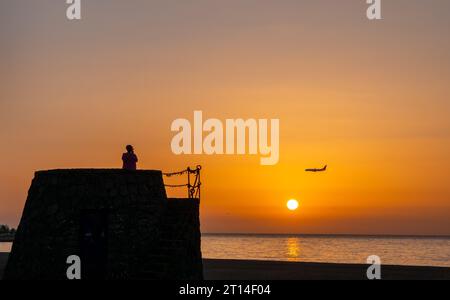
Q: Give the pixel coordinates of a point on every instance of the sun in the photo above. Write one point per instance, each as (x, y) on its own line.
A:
(292, 204)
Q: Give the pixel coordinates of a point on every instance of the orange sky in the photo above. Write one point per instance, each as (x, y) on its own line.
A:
(370, 99)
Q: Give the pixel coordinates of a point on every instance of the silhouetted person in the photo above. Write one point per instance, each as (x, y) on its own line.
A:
(129, 159)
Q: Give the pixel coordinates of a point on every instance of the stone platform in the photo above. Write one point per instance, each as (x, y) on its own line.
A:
(120, 223)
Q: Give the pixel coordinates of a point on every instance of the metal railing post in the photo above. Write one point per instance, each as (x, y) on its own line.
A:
(189, 182)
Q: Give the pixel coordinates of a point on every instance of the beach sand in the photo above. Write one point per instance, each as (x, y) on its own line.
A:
(3, 260)
(268, 270)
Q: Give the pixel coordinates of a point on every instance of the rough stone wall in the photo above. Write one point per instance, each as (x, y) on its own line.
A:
(143, 226)
(178, 254)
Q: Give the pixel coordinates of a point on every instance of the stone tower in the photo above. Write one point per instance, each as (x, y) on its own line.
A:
(120, 223)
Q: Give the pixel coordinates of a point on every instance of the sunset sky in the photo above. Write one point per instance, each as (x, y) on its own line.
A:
(370, 99)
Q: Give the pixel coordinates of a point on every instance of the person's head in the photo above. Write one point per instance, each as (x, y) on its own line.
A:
(130, 148)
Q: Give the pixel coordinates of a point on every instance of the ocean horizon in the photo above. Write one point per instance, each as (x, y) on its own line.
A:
(329, 235)
(433, 251)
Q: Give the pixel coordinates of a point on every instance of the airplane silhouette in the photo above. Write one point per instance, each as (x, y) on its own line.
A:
(317, 170)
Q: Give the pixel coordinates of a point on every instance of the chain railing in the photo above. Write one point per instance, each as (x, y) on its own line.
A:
(193, 184)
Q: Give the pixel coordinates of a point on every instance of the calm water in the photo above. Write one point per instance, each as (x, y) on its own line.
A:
(330, 249)
(5, 247)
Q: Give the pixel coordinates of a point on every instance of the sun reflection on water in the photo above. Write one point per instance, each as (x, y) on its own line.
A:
(293, 249)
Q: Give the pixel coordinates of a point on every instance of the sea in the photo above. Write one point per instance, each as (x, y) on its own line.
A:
(404, 251)
(392, 250)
